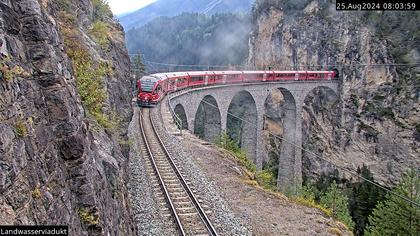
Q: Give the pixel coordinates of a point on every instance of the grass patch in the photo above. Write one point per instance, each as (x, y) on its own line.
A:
(9, 72)
(21, 129)
(88, 217)
(37, 192)
(335, 231)
(225, 142)
(101, 9)
(89, 75)
(99, 32)
(311, 203)
(266, 179)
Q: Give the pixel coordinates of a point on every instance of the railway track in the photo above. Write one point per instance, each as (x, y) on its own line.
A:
(179, 206)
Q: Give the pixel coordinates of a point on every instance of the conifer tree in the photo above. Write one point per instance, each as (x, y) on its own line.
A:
(396, 216)
(334, 199)
(138, 66)
(363, 199)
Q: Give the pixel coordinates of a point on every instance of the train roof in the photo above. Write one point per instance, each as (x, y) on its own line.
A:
(160, 76)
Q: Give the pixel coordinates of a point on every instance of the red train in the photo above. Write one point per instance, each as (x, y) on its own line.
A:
(152, 88)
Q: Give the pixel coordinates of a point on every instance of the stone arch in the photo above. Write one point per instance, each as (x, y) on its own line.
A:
(207, 123)
(280, 121)
(180, 112)
(241, 124)
(321, 121)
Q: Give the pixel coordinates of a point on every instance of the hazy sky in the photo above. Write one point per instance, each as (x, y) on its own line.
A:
(124, 6)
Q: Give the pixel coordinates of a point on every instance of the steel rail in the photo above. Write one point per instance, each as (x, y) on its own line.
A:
(167, 196)
(202, 214)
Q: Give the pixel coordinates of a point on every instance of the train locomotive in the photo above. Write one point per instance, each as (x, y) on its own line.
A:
(152, 88)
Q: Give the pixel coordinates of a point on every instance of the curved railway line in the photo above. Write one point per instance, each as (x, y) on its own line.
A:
(180, 206)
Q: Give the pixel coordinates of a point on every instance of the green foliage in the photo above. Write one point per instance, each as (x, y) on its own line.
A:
(89, 77)
(386, 112)
(101, 9)
(191, 39)
(88, 217)
(99, 32)
(334, 199)
(370, 132)
(10, 72)
(376, 110)
(266, 178)
(20, 128)
(399, 29)
(288, 6)
(355, 100)
(61, 5)
(37, 192)
(396, 216)
(363, 199)
(308, 192)
(307, 198)
(225, 142)
(325, 181)
(138, 66)
(417, 132)
(311, 203)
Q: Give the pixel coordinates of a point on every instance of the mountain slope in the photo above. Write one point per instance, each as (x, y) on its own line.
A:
(193, 38)
(377, 122)
(58, 164)
(175, 7)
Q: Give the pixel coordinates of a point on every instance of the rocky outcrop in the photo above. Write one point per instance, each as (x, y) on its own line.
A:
(376, 120)
(58, 164)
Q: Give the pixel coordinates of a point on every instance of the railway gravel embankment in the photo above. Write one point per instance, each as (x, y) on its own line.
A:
(234, 206)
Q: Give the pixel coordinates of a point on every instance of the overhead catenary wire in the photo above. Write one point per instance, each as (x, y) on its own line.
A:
(324, 159)
(326, 65)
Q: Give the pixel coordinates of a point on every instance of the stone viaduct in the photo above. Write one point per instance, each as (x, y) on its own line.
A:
(217, 101)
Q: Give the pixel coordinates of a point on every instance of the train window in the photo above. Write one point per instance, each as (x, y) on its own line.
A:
(285, 75)
(147, 85)
(196, 78)
(181, 80)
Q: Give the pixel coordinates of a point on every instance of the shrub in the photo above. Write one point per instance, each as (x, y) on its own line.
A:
(10, 72)
(101, 9)
(370, 132)
(334, 199)
(61, 5)
(397, 216)
(355, 100)
(88, 217)
(386, 112)
(266, 179)
(225, 142)
(99, 32)
(21, 129)
(89, 76)
(37, 192)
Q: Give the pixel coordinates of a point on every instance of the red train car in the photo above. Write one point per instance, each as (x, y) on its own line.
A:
(152, 88)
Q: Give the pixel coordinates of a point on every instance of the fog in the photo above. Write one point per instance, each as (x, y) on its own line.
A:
(192, 39)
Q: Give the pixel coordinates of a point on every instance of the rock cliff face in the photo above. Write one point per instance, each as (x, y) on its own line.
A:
(375, 121)
(58, 164)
